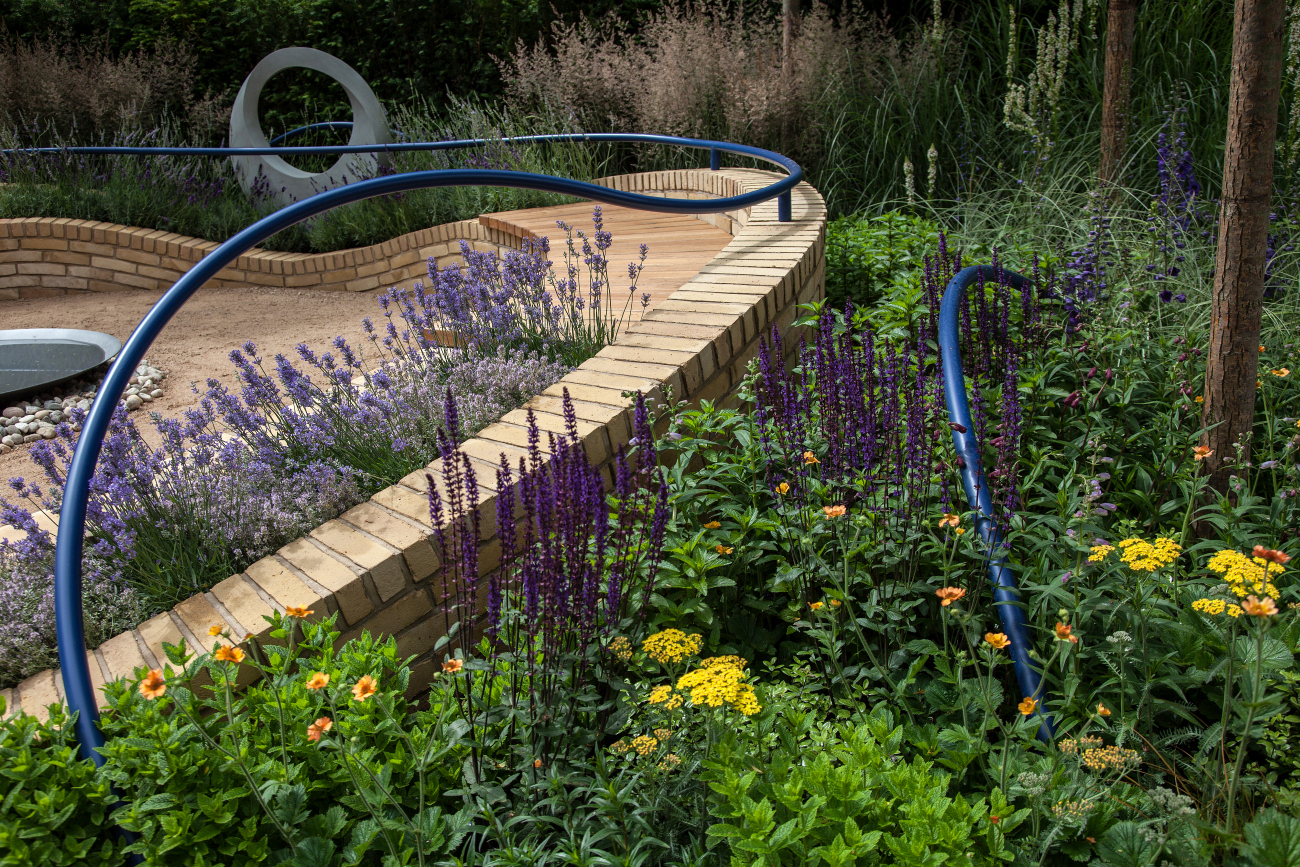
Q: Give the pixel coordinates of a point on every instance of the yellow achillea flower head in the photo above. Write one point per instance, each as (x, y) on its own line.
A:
(671, 646)
(660, 694)
(1097, 553)
(1072, 810)
(1212, 607)
(1143, 556)
(644, 745)
(621, 648)
(720, 682)
(1246, 575)
(1111, 759)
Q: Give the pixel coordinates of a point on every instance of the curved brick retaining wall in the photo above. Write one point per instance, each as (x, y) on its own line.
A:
(372, 564)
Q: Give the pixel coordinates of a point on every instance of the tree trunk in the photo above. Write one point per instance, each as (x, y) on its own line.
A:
(1120, 18)
(1233, 352)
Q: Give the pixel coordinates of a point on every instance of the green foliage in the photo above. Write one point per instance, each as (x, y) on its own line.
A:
(846, 795)
(868, 256)
(54, 808)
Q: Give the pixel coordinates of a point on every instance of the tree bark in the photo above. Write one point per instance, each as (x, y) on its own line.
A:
(1233, 352)
(1120, 18)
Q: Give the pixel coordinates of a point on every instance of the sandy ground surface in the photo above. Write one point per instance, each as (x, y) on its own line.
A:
(196, 344)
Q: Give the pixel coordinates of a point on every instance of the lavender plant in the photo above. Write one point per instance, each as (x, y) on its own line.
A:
(494, 305)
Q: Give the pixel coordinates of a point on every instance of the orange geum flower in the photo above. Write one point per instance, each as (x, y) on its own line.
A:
(452, 666)
(815, 606)
(835, 603)
(949, 595)
(783, 488)
(1028, 706)
(1064, 632)
(216, 629)
(319, 680)
(537, 763)
(1281, 371)
(723, 549)
(1200, 398)
(297, 611)
(364, 688)
(1259, 607)
(834, 511)
(229, 654)
(712, 525)
(997, 640)
(1271, 555)
(153, 685)
(950, 520)
(810, 458)
(318, 728)
(1102, 710)
(1200, 453)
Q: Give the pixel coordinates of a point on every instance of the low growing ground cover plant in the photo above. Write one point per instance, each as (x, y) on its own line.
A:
(248, 471)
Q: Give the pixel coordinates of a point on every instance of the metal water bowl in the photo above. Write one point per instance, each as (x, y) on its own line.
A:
(36, 359)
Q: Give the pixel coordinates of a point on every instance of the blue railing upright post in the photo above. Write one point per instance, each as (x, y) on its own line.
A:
(715, 159)
(1006, 595)
(783, 207)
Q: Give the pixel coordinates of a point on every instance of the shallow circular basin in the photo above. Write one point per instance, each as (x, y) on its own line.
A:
(34, 359)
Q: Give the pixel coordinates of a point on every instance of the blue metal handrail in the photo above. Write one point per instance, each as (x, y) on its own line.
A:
(327, 124)
(69, 621)
(780, 190)
(1006, 595)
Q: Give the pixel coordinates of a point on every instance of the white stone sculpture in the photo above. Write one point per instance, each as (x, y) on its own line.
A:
(283, 182)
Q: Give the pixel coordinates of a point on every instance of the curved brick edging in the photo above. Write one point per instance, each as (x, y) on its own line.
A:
(41, 256)
(47, 256)
(372, 564)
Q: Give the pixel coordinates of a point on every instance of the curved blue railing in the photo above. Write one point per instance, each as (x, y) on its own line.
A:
(69, 621)
(1006, 595)
(326, 124)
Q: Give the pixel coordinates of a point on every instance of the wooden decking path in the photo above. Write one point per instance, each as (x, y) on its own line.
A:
(680, 245)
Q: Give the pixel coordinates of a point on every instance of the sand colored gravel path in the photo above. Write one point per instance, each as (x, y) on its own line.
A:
(196, 344)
